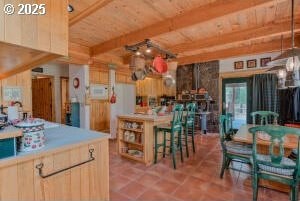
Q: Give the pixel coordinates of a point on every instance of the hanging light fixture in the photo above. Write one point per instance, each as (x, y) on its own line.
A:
(289, 58)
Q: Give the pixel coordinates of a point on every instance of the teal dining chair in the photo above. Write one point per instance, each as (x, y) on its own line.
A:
(264, 117)
(232, 151)
(175, 131)
(189, 125)
(275, 166)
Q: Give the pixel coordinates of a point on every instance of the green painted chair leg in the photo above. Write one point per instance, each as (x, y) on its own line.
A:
(186, 142)
(155, 144)
(173, 145)
(294, 192)
(255, 187)
(180, 145)
(193, 139)
(224, 162)
(164, 144)
(227, 163)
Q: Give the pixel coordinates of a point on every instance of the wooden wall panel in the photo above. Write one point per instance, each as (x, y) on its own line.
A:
(99, 109)
(90, 181)
(1, 21)
(23, 80)
(47, 32)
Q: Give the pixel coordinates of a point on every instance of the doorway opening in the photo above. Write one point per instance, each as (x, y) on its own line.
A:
(236, 100)
(43, 97)
(64, 94)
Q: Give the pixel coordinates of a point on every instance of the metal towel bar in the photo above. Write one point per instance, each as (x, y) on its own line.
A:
(41, 165)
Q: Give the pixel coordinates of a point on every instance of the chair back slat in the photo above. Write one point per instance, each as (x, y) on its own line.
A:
(277, 135)
(177, 116)
(190, 112)
(264, 117)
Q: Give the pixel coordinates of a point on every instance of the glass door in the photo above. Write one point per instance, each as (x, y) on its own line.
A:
(236, 100)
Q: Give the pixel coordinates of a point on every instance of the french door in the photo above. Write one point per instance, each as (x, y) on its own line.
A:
(236, 98)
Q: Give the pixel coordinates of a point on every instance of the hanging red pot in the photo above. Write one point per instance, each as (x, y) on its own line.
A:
(113, 98)
(160, 65)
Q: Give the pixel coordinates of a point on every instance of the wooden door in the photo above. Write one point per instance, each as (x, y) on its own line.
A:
(42, 98)
(64, 90)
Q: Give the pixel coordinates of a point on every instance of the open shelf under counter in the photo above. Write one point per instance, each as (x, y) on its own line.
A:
(134, 143)
(132, 129)
(139, 159)
(146, 124)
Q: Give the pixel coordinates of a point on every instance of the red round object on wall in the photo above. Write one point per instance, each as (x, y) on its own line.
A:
(160, 65)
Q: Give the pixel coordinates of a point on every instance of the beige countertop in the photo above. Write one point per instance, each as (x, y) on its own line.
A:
(10, 132)
(146, 117)
(57, 139)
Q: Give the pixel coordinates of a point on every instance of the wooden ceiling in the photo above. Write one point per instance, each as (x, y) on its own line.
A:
(193, 29)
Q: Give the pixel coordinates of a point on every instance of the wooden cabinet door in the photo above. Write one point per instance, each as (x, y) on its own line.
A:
(88, 181)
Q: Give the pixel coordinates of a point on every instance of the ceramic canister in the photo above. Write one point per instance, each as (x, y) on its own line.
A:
(33, 135)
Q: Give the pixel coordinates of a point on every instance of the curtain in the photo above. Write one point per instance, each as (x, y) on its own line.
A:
(264, 93)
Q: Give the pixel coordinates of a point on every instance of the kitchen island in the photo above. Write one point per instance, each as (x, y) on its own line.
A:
(73, 165)
(136, 136)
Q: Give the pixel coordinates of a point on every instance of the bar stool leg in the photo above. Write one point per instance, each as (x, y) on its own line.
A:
(193, 140)
(173, 145)
(186, 130)
(180, 145)
(164, 143)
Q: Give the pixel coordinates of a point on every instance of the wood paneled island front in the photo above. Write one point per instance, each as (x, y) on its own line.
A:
(73, 165)
(136, 136)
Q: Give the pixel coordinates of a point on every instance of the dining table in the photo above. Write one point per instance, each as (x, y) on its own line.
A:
(290, 142)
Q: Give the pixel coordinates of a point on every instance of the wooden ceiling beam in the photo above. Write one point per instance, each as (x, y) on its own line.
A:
(271, 46)
(268, 30)
(42, 59)
(87, 12)
(198, 15)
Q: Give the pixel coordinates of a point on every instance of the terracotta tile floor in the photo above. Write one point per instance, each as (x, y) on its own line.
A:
(195, 179)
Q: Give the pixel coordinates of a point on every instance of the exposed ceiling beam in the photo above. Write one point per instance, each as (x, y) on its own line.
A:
(42, 59)
(268, 30)
(271, 46)
(195, 16)
(90, 10)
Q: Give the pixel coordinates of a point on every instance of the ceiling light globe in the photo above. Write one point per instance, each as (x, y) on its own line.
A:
(281, 74)
(293, 63)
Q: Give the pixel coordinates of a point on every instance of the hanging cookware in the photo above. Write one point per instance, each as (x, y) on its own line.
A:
(133, 77)
(140, 74)
(113, 98)
(169, 81)
(160, 65)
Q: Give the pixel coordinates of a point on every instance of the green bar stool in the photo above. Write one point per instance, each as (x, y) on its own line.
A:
(189, 123)
(175, 127)
(264, 117)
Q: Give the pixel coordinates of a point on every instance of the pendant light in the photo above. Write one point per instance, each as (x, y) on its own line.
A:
(289, 58)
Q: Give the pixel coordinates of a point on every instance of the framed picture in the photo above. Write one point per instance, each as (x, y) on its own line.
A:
(264, 61)
(251, 63)
(238, 65)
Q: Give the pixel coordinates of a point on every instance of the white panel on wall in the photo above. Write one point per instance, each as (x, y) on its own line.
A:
(227, 65)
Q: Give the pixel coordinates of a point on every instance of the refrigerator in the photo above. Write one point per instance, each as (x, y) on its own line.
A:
(125, 104)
